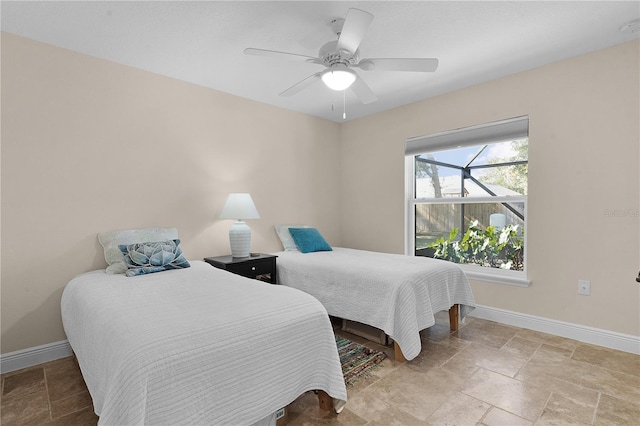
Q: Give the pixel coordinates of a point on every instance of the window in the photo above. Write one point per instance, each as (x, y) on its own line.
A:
(467, 198)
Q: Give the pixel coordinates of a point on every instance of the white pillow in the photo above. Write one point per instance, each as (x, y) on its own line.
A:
(112, 239)
(285, 236)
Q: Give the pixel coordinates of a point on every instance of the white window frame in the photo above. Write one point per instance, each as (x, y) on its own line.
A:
(468, 136)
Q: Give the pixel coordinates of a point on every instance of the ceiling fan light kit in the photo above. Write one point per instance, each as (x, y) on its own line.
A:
(338, 77)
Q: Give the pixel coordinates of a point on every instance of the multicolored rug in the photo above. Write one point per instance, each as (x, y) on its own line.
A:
(357, 360)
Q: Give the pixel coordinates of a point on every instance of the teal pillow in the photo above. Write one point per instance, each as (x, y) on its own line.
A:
(309, 240)
(158, 256)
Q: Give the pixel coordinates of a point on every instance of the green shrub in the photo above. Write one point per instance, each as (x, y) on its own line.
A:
(485, 247)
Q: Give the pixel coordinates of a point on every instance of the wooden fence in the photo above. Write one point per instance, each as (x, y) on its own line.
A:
(437, 220)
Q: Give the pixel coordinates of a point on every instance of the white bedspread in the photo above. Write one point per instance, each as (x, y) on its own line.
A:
(197, 346)
(395, 293)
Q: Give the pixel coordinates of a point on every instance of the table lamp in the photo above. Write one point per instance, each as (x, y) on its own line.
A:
(239, 206)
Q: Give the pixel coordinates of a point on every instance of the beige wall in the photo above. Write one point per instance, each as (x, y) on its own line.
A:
(89, 146)
(583, 163)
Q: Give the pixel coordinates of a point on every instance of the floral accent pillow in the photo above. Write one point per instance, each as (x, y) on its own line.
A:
(111, 241)
(158, 256)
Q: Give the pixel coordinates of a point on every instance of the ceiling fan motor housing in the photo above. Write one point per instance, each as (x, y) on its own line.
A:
(331, 55)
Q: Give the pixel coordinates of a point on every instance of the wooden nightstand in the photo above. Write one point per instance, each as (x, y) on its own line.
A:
(261, 267)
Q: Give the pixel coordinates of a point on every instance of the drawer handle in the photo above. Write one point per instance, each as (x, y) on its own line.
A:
(253, 268)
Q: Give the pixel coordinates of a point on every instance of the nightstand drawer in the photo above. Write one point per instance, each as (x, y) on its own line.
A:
(251, 269)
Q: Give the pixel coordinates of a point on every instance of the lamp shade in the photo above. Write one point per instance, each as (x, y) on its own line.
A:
(338, 77)
(239, 206)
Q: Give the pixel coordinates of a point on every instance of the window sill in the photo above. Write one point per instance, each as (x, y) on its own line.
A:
(500, 276)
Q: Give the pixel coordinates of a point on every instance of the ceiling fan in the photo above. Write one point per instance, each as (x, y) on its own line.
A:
(340, 56)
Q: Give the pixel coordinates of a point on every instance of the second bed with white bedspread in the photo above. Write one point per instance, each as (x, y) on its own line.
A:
(395, 293)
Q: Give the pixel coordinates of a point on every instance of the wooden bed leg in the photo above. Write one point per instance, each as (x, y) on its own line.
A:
(398, 353)
(454, 317)
(325, 401)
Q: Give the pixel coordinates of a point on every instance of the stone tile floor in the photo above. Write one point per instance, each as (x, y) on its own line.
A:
(484, 374)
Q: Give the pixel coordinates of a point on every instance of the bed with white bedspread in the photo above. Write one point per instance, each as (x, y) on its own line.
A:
(395, 293)
(197, 346)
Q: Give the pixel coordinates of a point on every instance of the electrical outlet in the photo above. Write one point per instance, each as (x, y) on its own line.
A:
(584, 287)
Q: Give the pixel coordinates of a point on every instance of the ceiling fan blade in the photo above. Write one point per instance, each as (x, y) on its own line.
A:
(281, 55)
(355, 26)
(301, 85)
(399, 64)
(363, 91)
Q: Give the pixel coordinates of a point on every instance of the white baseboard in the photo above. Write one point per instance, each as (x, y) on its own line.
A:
(594, 336)
(623, 342)
(29, 357)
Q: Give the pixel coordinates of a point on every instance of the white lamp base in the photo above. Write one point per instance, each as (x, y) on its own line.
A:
(240, 239)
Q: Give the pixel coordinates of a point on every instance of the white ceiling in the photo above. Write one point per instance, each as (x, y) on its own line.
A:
(202, 42)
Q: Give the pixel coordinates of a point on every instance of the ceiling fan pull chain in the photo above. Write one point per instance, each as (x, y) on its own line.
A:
(344, 104)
